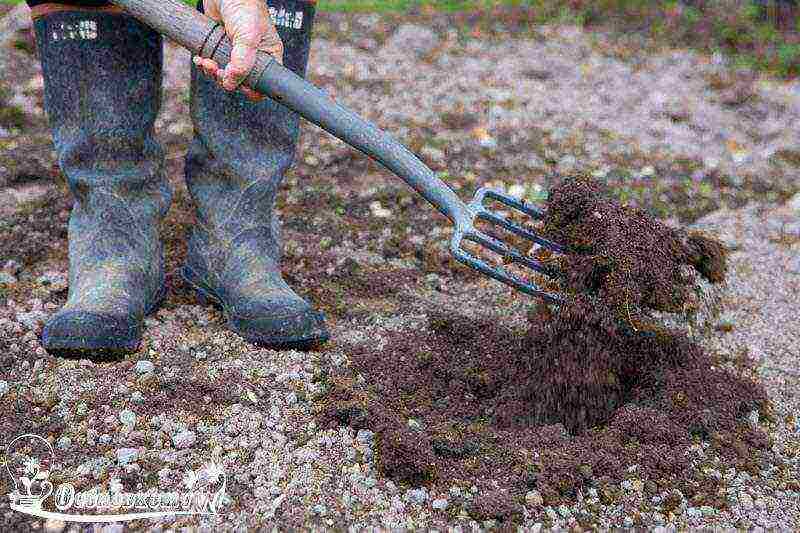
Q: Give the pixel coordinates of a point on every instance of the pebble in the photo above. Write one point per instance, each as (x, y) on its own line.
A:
(127, 417)
(693, 512)
(794, 202)
(52, 525)
(707, 510)
(413, 38)
(488, 142)
(534, 498)
(184, 439)
(137, 397)
(440, 504)
(14, 267)
(127, 455)
(144, 366)
(320, 509)
(567, 163)
(7, 279)
(377, 210)
(414, 424)
(4, 388)
(105, 438)
(31, 320)
(418, 496)
(365, 436)
(64, 443)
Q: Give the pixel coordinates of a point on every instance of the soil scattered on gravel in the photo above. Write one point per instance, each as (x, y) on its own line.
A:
(587, 398)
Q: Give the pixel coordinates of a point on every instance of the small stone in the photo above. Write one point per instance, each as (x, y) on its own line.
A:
(184, 439)
(105, 438)
(127, 417)
(320, 509)
(4, 388)
(794, 202)
(413, 38)
(647, 171)
(418, 496)
(144, 366)
(64, 443)
(378, 210)
(52, 525)
(745, 500)
(127, 456)
(534, 498)
(488, 142)
(440, 504)
(365, 436)
(707, 510)
(567, 163)
(14, 267)
(137, 397)
(628, 522)
(752, 417)
(414, 424)
(7, 279)
(31, 320)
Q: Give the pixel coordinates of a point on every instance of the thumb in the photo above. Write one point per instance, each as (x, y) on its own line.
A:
(243, 57)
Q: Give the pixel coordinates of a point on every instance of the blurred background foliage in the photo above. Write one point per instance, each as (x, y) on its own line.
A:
(762, 34)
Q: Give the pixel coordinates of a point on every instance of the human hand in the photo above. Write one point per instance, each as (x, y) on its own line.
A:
(250, 29)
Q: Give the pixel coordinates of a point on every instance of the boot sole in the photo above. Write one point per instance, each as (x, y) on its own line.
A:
(83, 348)
(206, 297)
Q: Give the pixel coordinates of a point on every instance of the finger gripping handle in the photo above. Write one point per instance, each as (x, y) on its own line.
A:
(202, 36)
(217, 46)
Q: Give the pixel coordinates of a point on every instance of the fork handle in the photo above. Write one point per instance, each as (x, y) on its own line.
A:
(204, 37)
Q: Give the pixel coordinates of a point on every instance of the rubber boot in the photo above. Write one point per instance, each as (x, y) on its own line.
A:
(237, 160)
(102, 92)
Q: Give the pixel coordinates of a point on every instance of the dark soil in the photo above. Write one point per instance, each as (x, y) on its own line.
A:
(623, 256)
(576, 400)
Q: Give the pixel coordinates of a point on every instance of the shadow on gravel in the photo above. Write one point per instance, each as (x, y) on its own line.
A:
(596, 392)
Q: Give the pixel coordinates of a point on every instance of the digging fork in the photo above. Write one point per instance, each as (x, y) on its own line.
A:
(207, 38)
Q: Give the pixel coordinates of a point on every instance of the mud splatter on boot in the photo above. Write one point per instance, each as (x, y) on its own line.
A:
(236, 162)
(102, 88)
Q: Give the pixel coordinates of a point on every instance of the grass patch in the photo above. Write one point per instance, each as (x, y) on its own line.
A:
(764, 38)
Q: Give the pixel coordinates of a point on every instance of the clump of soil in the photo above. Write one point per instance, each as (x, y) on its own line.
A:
(624, 257)
(578, 399)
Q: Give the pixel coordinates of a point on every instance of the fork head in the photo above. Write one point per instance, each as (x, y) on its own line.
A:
(466, 230)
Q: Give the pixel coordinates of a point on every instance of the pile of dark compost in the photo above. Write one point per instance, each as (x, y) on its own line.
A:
(583, 398)
(627, 259)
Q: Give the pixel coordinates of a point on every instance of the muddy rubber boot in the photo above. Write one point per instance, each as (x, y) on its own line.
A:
(102, 92)
(237, 160)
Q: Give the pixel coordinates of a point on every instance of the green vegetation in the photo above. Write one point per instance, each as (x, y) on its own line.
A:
(769, 43)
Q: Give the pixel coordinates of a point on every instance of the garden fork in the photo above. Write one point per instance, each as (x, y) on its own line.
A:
(207, 38)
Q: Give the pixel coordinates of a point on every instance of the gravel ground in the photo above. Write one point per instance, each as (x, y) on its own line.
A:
(505, 112)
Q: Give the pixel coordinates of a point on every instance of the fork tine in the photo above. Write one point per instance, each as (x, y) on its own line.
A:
(505, 250)
(516, 203)
(519, 230)
(501, 274)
